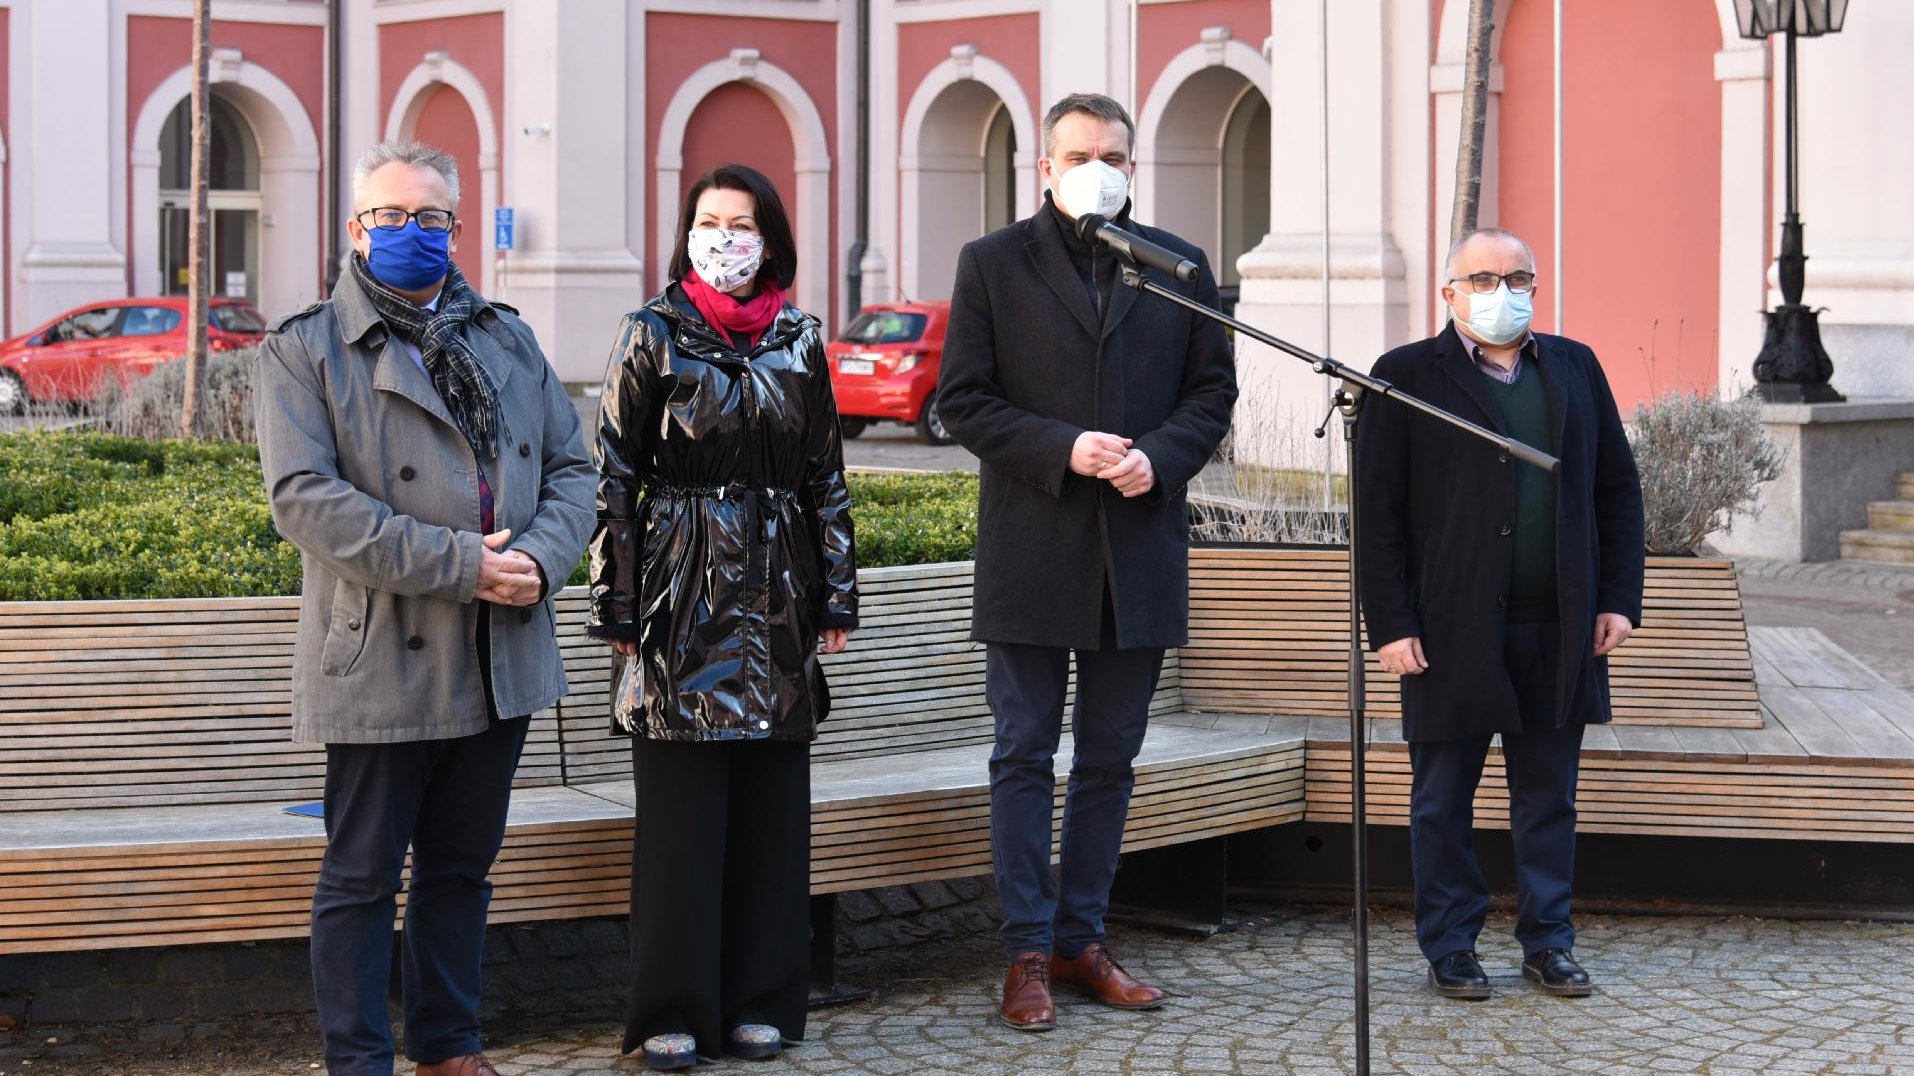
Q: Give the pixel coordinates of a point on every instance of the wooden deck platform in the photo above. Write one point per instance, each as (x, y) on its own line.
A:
(1833, 760)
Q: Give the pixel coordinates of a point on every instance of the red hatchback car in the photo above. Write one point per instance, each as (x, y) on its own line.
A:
(884, 368)
(68, 359)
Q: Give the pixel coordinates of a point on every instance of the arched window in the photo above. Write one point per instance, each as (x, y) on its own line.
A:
(233, 200)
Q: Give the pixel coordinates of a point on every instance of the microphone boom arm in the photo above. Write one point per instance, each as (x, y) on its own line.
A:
(1356, 380)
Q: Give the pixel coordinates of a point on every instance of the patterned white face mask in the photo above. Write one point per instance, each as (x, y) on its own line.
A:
(725, 259)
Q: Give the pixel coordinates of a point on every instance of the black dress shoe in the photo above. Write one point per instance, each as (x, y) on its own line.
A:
(1556, 972)
(1459, 975)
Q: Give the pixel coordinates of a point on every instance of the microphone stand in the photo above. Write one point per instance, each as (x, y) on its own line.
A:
(1355, 388)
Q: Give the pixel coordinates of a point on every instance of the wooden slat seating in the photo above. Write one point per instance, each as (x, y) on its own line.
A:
(168, 829)
(1269, 633)
(1835, 761)
(143, 758)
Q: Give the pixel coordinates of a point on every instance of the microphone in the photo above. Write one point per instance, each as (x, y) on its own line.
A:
(1134, 247)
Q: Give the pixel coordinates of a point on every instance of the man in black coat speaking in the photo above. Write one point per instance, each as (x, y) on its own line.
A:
(1091, 410)
(1496, 590)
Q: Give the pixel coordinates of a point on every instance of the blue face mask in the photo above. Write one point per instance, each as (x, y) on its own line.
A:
(410, 258)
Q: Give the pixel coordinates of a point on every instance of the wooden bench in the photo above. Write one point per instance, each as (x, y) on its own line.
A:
(1833, 761)
(144, 765)
(1270, 631)
(1720, 730)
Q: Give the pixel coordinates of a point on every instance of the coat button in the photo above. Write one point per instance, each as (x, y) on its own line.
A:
(1501, 602)
(353, 624)
(407, 474)
(524, 616)
(415, 643)
(1505, 530)
(524, 448)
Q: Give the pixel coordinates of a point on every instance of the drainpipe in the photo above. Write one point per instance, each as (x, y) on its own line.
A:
(335, 195)
(854, 272)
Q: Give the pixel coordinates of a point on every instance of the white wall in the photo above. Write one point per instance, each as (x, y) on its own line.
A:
(1857, 194)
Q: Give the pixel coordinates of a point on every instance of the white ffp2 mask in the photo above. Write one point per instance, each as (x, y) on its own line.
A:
(1093, 187)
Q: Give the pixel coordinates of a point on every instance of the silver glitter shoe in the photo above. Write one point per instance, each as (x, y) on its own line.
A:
(671, 1051)
(754, 1042)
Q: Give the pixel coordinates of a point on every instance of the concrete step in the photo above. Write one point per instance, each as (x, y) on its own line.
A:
(1881, 547)
(1905, 482)
(1891, 516)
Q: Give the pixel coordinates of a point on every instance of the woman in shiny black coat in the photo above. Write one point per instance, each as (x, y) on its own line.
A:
(723, 559)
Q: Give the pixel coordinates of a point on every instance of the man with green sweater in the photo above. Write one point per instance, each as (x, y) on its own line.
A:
(1496, 590)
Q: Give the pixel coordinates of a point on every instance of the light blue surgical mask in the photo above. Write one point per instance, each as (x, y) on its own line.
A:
(1500, 316)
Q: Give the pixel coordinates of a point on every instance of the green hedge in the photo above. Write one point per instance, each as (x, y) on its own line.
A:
(92, 516)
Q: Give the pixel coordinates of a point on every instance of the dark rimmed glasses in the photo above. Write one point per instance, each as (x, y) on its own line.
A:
(391, 218)
(1482, 283)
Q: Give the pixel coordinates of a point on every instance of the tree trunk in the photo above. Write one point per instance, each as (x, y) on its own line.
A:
(1475, 120)
(198, 228)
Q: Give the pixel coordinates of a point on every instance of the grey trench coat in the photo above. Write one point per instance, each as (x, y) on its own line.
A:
(368, 476)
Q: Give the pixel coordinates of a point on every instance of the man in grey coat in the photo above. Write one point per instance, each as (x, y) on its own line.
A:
(425, 459)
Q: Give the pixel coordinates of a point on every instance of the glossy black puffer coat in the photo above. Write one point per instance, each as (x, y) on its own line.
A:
(724, 541)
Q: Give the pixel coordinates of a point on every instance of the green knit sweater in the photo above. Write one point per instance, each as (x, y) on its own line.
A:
(1524, 407)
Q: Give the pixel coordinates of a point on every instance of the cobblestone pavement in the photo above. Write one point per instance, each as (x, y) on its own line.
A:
(1691, 995)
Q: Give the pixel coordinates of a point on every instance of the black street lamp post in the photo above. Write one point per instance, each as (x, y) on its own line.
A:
(1793, 367)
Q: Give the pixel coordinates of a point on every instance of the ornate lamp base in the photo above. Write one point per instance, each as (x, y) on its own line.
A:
(1793, 366)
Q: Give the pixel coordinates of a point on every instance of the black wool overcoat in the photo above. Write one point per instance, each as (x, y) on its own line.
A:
(1435, 510)
(1026, 369)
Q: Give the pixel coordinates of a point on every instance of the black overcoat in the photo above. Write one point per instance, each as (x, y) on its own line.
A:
(1436, 507)
(1026, 369)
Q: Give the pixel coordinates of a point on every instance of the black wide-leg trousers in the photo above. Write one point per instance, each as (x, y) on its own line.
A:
(720, 890)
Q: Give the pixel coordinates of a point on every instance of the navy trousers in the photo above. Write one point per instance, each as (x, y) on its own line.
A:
(1451, 893)
(447, 800)
(1026, 687)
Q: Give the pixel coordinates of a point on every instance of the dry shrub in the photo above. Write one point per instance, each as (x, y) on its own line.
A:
(149, 408)
(1259, 489)
(1702, 461)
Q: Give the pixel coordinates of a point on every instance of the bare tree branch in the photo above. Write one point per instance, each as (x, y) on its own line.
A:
(1475, 120)
(197, 229)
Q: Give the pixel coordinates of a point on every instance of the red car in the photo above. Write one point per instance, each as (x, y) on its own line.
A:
(884, 368)
(68, 359)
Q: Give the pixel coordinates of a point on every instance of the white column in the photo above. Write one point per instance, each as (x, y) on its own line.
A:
(573, 274)
(1077, 42)
(887, 108)
(1282, 278)
(69, 256)
(360, 107)
(1743, 72)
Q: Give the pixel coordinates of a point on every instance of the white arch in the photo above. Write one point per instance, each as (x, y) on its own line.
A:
(408, 104)
(965, 66)
(1179, 167)
(290, 252)
(812, 160)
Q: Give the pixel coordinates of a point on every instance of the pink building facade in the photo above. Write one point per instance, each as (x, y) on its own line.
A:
(1312, 161)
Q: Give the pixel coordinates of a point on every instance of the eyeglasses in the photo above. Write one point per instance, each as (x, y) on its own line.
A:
(391, 218)
(1482, 283)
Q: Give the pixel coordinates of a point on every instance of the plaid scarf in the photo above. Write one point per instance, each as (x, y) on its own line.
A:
(439, 336)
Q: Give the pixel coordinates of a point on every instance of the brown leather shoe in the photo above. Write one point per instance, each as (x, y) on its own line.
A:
(1027, 1004)
(1101, 978)
(469, 1065)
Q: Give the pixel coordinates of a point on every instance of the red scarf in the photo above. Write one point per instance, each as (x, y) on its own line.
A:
(722, 312)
